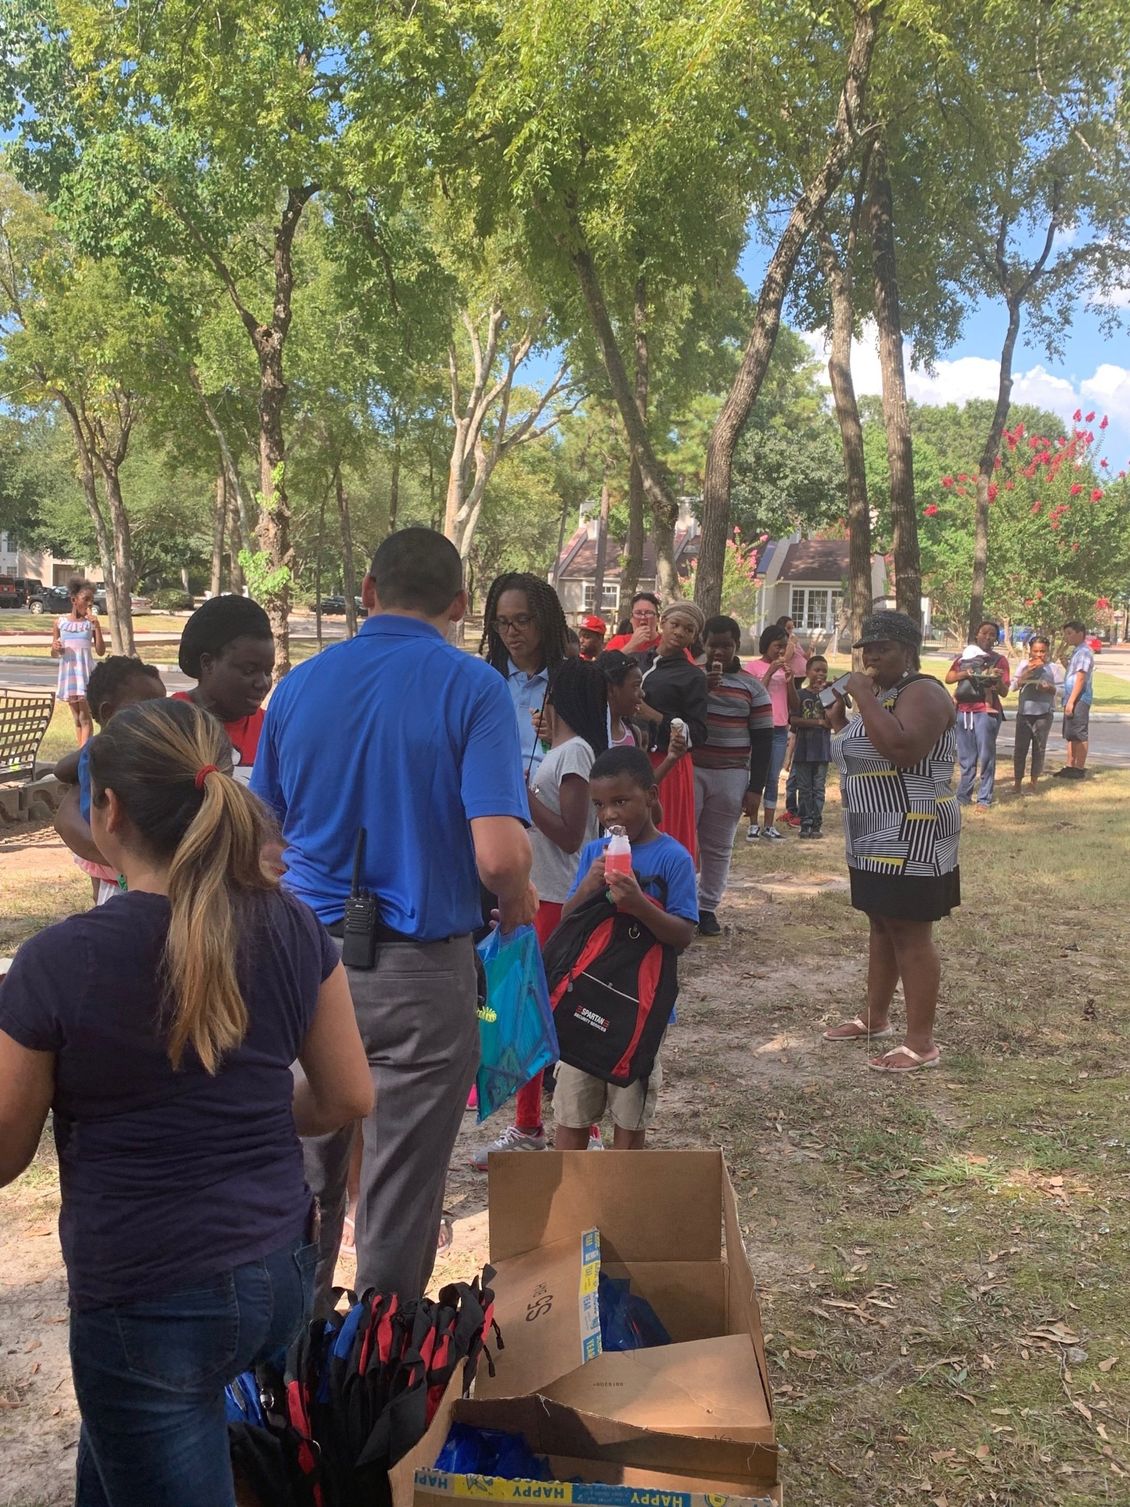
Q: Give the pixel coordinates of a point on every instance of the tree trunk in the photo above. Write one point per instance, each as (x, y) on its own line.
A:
(985, 471)
(235, 545)
(219, 520)
(240, 502)
(601, 539)
(348, 573)
(838, 276)
(119, 632)
(274, 507)
(456, 482)
(318, 568)
(123, 560)
(269, 342)
(751, 373)
(896, 414)
(632, 561)
(394, 479)
(655, 487)
(555, 579)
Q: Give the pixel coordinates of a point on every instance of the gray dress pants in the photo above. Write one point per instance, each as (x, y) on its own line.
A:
(416, 1014)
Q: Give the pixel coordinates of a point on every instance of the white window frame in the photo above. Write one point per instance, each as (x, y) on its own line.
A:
(611, 597)
(815, 609)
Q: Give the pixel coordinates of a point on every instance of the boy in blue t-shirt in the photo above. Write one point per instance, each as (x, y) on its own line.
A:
(623, 790)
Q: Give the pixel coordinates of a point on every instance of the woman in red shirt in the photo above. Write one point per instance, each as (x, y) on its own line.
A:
(645, 626)
(227, 648)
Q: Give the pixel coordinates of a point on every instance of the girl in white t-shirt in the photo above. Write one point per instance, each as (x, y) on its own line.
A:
(564, 820)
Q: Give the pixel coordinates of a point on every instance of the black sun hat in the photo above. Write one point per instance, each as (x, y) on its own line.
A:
(213, 625)
(889, 627)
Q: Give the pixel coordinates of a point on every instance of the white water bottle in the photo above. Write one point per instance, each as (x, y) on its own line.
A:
(618, 853)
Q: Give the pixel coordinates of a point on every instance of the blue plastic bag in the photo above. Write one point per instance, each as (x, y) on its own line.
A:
(516, 1034)
(627, 1321)
(488, 1452)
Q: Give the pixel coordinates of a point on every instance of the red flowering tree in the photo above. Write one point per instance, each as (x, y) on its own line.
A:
(1059, 530)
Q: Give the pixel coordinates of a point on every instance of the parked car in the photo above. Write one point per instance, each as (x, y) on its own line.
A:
(136, 603)
(334, 606)
(52, 599)
(17, 591)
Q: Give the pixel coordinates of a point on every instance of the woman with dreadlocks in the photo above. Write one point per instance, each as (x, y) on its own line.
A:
(564, 820)
(525, 638)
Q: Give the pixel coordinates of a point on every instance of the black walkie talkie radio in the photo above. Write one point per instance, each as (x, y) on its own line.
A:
(359, 927)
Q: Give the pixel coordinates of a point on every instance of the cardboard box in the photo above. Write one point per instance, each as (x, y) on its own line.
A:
(594, 1461)
(660, 1218)
(669, 1425)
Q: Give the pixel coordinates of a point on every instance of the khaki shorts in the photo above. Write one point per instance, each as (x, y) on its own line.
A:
(580, 1100)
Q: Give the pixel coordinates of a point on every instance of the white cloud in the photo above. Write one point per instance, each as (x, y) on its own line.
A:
(1107, 390)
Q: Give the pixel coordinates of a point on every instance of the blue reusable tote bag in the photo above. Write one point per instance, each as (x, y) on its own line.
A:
(516, 1034)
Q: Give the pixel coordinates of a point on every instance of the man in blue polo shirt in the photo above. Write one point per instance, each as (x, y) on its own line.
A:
(402, 734)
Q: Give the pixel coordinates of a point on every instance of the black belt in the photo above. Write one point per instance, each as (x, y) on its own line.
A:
(388, 934)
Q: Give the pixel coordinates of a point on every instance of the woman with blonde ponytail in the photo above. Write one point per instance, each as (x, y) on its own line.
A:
(160, 1029)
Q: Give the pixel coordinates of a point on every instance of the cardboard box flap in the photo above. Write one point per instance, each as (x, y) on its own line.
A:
(547, 1312)
(744, 1309)
(549, 1428)
(648, 1205)
(711, 1387)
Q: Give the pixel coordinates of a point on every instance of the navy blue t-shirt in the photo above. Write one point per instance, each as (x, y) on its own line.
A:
(167, 1177)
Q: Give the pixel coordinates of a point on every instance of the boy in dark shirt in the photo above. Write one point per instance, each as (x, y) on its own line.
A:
(813, 748)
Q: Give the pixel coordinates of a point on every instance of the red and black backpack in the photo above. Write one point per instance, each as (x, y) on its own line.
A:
(612, 986)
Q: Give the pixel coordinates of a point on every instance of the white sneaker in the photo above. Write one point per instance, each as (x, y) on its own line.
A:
(595, 1141)
(753, 832)
(511, 1139)
(771, 832)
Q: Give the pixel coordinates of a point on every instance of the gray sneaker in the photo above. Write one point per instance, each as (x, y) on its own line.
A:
(773, 834)
(511, 1139)
(753, 832)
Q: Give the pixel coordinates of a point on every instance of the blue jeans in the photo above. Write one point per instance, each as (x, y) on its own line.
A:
(776, 764)
(811, 779)
(150, 1377)
(977, 745)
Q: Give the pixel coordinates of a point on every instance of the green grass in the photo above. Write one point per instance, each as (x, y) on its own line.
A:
(36, 622)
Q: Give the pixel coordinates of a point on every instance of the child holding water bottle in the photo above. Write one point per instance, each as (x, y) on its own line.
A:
(657, 886)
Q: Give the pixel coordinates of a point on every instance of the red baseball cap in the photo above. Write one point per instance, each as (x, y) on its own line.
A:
(594, 625)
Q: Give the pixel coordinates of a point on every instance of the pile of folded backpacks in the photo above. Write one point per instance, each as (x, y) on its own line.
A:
(355, 1393)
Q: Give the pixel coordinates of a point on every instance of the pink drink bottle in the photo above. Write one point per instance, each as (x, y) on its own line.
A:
(618, 853)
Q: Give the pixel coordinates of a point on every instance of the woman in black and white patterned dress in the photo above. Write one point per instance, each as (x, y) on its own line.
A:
(896, 757)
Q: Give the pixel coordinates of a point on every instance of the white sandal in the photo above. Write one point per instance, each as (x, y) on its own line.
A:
(862, 1032)
(918, 1062)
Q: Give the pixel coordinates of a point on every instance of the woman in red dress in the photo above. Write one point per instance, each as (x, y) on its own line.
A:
(674, 690)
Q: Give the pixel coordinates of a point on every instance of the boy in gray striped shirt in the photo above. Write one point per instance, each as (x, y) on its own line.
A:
(730, 767)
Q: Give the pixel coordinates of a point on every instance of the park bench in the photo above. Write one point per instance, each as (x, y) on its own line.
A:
(25, 717)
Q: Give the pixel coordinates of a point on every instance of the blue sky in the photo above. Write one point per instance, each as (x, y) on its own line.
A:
(1092, 373)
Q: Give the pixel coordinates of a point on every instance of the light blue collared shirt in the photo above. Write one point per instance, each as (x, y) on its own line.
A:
(528, 694)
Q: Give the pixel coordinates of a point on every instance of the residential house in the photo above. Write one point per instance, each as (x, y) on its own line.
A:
(806, 579)
(574, 575)
(40, 564)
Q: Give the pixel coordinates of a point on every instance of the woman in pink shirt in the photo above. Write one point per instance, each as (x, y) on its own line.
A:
(775, 669)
